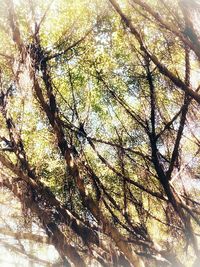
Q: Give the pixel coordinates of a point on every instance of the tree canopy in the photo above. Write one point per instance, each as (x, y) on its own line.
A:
(99, 136)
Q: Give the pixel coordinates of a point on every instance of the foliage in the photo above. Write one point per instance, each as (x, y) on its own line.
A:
(99, 130)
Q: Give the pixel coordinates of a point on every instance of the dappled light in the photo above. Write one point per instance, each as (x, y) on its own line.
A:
(100, 133)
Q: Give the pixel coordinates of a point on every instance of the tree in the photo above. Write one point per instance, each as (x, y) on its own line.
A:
(99, 138)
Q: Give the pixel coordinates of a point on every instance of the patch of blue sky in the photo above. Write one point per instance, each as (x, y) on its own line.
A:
(40, 126)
